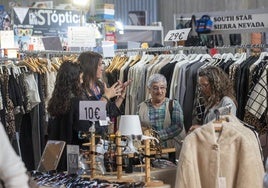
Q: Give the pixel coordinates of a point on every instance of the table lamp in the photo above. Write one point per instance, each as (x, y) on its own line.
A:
(130, 127)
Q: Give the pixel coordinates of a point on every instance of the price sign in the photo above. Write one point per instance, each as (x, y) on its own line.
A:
(177, 35)
(92, 110)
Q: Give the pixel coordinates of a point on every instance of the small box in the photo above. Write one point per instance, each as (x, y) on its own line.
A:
(105, 14)
(104, 17)
(105, 6)
(105, 11)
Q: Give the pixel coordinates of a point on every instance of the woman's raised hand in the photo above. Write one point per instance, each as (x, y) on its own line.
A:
(124, 86)
(114, 90)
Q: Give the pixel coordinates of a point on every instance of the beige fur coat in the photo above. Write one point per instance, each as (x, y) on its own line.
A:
(232, 160)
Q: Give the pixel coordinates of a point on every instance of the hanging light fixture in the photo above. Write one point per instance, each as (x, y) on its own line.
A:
(81, 3)
(83, 6)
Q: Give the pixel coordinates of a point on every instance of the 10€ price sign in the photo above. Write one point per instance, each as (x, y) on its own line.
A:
(177, 35)
(92, 110)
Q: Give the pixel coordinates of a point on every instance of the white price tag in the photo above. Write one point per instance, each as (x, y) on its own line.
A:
(222, 182)
(92, 110)
(177, 35)
(103, 122)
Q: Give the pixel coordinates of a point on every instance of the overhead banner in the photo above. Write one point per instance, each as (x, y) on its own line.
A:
(29, 22)
(240, 22)
(46, 22)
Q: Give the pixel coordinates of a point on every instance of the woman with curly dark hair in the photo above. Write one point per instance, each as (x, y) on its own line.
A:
(61, 106)
(67, 86)
(217, 91)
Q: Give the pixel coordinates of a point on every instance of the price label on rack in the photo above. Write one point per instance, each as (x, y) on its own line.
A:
(177, 35)
(92, 110)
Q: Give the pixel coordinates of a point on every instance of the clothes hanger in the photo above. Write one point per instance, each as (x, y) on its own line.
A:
(145, 58)
(23, 68)
(242, 58)
(238, 55)
(149, 57)
(262, 55)
(136, 59)
(219, 120)
(205, 57)
(178, 57)
(217, 56)
(197, 57)
(228, 57)
(9, 65)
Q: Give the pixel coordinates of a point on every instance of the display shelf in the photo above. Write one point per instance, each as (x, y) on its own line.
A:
(138, 33)
(141, 27)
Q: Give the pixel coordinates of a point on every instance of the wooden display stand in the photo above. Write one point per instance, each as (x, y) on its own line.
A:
(119, 161)
(148, 181)
(92, 155)
(119, 174)
(92, 150)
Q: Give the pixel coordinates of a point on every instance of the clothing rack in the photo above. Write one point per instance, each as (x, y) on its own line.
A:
(47, 53)
(243, 46)
(191, 48)
(8, 59)
(168, 48)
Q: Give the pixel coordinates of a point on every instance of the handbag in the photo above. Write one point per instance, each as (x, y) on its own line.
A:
(193, 38)
(204, 24)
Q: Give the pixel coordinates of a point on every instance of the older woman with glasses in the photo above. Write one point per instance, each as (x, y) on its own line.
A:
(217, 91)
(163, 115)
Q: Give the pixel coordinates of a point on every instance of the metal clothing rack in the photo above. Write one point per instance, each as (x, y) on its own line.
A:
(247, 47)
(191, 48)
(48, 53)
(244, 46)
(168, 48)
(8, 59)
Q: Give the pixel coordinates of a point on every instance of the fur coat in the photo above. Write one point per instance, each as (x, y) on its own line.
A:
(231, 159)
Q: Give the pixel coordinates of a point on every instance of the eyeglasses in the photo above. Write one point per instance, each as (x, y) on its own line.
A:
(161, 88)
(203, 86)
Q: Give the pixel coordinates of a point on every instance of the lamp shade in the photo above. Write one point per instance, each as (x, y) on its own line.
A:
(130, 125)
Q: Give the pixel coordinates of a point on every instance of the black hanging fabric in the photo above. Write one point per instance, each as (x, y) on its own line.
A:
(193, 37)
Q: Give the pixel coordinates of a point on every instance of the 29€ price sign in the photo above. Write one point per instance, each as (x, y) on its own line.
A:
(177, 35)
(92, 110)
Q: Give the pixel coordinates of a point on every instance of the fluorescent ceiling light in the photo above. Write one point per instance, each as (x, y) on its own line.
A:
(80, 2)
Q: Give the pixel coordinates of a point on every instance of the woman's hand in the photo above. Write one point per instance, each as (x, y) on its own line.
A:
(124, 88)
(114, 90)
(117, 89)
(126, 83)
